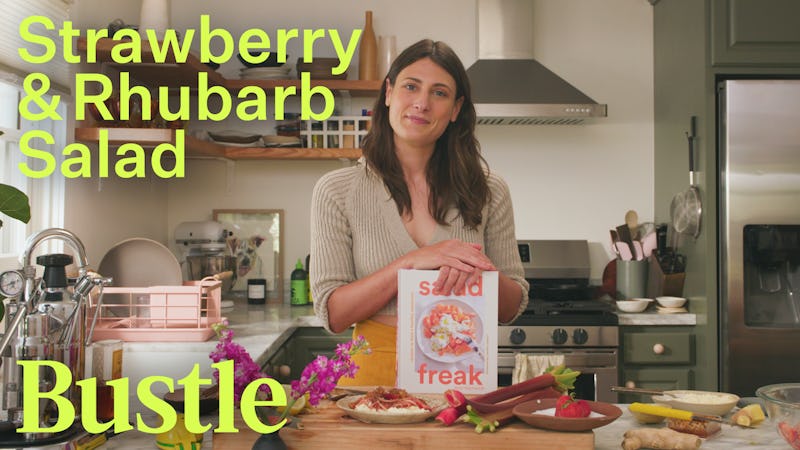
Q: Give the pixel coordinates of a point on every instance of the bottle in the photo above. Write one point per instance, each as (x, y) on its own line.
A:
(308, 278)
(368, 52)
(387, 52)
(299, 285)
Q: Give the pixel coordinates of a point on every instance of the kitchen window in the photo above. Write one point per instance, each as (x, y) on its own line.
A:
(46, 195)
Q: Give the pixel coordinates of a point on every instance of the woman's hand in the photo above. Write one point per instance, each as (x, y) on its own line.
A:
(460, 263)
(453, 280)
(454, 253)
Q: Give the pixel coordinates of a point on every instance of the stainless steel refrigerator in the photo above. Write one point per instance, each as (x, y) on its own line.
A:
(759, 231)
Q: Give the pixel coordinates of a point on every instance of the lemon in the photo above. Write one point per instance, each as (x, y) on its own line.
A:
(299, 404)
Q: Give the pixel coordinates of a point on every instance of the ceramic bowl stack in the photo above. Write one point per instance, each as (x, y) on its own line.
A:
(320, 69)
(233, 138)
(265, 73)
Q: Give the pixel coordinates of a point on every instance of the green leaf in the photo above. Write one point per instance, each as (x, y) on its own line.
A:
(14, 203)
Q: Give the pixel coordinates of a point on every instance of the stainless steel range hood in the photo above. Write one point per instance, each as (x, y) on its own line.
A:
(509, 87)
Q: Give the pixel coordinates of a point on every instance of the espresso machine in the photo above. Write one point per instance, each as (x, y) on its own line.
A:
(45, 320)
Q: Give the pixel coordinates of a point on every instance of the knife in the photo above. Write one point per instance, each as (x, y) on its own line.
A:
(663, 411)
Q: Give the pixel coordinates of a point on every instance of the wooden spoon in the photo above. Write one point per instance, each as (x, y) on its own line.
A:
(632, 220)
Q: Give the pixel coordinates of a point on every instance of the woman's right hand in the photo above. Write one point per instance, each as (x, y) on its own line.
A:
(453, 253)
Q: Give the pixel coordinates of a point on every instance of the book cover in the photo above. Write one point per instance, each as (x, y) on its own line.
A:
(446, 341)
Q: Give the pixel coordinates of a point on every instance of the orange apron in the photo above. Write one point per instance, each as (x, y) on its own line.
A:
(379, 368)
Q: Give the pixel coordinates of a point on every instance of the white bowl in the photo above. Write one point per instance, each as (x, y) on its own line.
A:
(634, 305)
(699, 402)
(671, 302)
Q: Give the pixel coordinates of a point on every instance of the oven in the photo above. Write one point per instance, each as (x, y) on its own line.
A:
(564, 317)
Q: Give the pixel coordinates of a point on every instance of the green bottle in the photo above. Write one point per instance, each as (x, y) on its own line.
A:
(299, 285)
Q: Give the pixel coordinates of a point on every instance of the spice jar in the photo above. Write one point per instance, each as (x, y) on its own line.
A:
(256, 291)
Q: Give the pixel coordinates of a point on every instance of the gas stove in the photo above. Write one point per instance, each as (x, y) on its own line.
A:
(564, 316)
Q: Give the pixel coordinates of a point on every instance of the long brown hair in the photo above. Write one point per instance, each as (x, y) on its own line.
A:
(456, 172)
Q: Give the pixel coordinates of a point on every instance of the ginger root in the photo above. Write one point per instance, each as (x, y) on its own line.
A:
(661, 439)
(750, 415)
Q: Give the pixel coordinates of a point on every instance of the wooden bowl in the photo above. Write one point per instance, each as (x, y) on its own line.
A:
(528, 412)
(208, 404)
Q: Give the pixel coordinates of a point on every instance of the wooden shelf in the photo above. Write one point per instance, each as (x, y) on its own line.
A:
(356, 88)
(197, 147)
(175, 75)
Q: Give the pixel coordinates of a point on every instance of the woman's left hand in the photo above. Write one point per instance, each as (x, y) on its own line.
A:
(452, 280)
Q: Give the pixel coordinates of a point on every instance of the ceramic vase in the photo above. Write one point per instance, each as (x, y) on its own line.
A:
(387, 52)
(154, 15)
(368, 52)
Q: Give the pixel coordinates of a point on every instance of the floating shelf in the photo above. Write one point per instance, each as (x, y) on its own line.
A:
(175, 75)
(197, 147)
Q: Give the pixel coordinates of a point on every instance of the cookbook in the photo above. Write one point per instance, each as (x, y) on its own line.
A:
(446, 341)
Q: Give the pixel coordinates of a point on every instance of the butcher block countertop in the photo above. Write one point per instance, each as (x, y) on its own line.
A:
(331, 428)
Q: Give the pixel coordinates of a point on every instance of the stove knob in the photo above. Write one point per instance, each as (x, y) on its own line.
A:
(517, 336)
(559, 336)
(580, 336)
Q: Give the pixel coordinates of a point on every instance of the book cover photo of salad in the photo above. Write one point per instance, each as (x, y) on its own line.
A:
(446, 341)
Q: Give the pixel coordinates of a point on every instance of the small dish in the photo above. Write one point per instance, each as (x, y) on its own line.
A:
(234, 137)
(671, 302)
(527, 412)
(437, 404)
(634, 305)
(699, 402)
(663, 310)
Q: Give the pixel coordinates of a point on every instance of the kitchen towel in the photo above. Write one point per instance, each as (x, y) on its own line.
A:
(530, 366)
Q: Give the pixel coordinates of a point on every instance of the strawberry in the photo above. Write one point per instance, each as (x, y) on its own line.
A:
(568, 406)
(792, 435)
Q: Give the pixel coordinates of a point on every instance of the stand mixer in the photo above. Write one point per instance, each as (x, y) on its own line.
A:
(204, 252)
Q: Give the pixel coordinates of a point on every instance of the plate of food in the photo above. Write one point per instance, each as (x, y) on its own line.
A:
(391, 406)
(449, 330)
(541, 414)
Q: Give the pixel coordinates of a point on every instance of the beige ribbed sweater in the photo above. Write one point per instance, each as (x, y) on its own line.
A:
(356, 230)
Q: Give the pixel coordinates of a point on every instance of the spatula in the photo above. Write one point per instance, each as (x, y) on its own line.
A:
(663, 411)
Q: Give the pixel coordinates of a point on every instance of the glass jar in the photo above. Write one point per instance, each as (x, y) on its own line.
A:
(317, 139)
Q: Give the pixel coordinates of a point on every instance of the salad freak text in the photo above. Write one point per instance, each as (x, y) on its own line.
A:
(192, 385)
(255, 45)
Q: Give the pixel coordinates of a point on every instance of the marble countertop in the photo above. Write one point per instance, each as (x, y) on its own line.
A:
(654, 318)
(609, 437)
(263, 328)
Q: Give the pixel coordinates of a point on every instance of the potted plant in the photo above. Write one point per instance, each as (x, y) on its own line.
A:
(14, 204)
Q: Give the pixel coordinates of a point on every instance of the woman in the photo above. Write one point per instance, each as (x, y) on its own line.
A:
(420, 198)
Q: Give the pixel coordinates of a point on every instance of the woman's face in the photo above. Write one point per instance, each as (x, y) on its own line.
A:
(421, 103)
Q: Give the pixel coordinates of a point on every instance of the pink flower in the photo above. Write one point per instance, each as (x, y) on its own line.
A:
(245, 370)
(321, 375)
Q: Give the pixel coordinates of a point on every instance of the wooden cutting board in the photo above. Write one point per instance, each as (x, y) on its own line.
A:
(331, 428)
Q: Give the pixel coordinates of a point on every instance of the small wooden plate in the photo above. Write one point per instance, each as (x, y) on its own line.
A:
(526, 412)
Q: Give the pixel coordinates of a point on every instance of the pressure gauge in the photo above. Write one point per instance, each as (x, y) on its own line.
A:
(11, 283)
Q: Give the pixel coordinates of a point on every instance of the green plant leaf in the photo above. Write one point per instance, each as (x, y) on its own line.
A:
(14, 203)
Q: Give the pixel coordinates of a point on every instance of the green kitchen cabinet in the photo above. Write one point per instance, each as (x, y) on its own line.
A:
(302, 347)
(755, 32)
(656, 357)
(696, 43)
